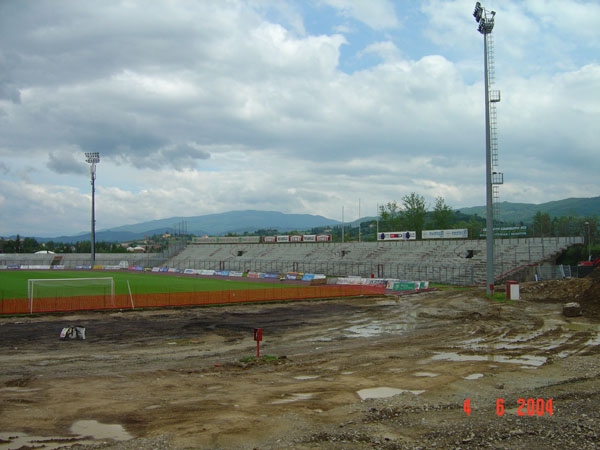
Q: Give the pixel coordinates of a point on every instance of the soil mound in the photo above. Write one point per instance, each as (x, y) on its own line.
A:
(585, 291)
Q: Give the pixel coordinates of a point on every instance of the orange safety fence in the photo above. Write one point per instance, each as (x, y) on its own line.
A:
(178, 299)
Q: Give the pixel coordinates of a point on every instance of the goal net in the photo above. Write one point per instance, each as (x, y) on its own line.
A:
(69, 287)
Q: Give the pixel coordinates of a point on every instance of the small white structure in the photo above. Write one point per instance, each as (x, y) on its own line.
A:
(138, 249)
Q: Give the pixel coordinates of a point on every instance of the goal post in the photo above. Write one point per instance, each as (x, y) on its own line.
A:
(69, 287)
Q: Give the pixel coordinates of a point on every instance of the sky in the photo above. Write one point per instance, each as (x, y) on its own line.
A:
(325, 107)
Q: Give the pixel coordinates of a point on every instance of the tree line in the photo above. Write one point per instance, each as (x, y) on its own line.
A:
(411, 213)
(31, 245)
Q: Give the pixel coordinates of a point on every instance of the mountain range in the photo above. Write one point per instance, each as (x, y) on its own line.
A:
(250, 221)
(524, 212)
(236, 222)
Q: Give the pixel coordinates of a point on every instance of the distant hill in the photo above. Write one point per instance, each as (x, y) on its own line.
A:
(524, 212)
(240, 222)
(231, 222)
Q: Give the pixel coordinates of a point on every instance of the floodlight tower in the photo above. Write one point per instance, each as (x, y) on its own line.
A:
(485, 20)
(93, 159)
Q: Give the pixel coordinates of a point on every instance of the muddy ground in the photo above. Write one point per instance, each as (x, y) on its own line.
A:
(363, 373)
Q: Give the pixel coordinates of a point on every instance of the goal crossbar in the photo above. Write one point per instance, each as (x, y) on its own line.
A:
(32, 282)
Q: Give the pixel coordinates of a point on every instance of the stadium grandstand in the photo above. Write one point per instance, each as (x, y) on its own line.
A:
(449, 261)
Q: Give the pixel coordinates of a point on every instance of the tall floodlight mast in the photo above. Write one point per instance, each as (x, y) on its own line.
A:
(93, 159)
(485, 20)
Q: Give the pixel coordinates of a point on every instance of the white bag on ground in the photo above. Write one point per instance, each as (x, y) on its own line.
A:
(73, 332)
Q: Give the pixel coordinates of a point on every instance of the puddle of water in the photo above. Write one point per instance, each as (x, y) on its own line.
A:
(16, 440)
(518, 345)
(426, 374)
(361, 320)
(473, 376)
(306, 377)
(364, 330)
(297, 397)
(383, 392)
(527, 360)
(86, 433)
(97, 430)
(552, 323)
(377, 328)
(457, 357)
(582, 326)
(474, 343)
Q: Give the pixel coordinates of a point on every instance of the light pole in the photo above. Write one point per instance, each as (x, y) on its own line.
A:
(93, 158)
(486, 25)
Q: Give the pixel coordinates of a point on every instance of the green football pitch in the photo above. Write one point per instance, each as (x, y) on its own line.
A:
(13, 283)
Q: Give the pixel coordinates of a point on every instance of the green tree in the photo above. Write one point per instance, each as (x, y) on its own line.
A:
(83, 247)
(414, 212)
(473, 224)
(390, 217)
(30, 245)
(8, 246)
(542, 224)
(442, 215)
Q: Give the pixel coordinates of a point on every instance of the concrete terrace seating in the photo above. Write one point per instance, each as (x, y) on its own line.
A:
(72, 260)
(451, 261)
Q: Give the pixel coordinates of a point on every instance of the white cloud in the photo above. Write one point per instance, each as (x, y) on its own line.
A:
(377, 14)
(213, 106)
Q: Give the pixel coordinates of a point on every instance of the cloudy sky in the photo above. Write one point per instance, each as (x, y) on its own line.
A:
(298, 106)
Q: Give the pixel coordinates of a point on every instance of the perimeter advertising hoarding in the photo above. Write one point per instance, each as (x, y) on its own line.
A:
(446, 234)
(297, 238)
(226, 240)
(506, 231)
(397, 236)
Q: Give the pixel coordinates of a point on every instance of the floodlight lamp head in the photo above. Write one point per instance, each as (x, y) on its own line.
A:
(478, 12)
(487, 26)
(92, 157)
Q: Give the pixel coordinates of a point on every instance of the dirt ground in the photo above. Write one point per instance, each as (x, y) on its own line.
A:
(442, 369)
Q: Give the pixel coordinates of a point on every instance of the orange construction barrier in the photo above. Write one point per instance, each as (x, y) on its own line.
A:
(181, 299)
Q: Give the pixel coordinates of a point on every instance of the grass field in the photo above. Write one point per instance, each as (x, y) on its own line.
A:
(13, 284)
